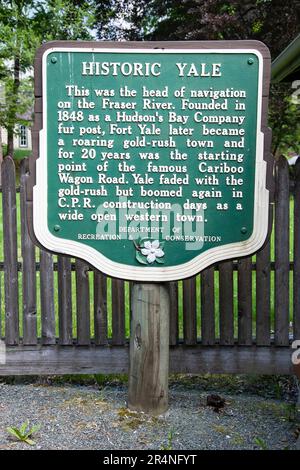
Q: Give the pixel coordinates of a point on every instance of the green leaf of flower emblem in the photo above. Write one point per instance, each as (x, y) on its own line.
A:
(149, 252)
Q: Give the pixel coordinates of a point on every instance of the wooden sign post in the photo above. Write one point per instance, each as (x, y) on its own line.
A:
(150, 163)
(149, 348)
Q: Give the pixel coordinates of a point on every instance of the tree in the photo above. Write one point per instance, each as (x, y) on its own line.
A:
(284, 119)
(273, 22)
(17, 43)
(24, 25)
(64, 19)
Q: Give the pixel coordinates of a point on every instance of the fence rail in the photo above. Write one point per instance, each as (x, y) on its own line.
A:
(59, 315)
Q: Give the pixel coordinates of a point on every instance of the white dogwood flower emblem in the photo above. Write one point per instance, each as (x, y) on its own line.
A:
(152, 251)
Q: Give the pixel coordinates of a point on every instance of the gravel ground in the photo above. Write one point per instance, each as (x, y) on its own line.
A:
(87, 416)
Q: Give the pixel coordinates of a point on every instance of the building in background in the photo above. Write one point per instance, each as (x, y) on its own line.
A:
(22, 137)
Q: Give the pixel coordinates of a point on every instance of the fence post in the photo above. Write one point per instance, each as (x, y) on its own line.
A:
(189, 312)
(118, 312)
(296, 277)
(149, 348)
(28, 267)
(10, 251)
(83, 303)
(100, 308)
(174, 327)
(282, 259)
(65, 300)
(47, 298)
(208, 306)
(226, 303)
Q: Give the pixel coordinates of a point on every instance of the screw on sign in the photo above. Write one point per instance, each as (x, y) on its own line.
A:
(151, 164)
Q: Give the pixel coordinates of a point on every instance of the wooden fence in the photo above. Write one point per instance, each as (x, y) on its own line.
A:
(60, 316)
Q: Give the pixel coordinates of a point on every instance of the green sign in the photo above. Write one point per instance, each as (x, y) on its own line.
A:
(151, 161)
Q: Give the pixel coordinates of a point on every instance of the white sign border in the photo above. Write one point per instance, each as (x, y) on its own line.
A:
(147, 273)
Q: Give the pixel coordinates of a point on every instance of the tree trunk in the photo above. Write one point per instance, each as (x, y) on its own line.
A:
(10, 142)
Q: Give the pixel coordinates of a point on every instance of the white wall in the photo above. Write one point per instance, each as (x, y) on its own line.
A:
(17, 139)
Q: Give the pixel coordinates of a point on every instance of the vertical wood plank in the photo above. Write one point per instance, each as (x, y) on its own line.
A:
(282, 196)
(263, 294)
(208, 306)
(10, 251)
(64, 274)
(296, 278)
(245, 301)
(100, 308)
(83, 303)
(28, 267)
(226, 303)
(173, 295)
(189, 311)
(47, 298)
(118, 312)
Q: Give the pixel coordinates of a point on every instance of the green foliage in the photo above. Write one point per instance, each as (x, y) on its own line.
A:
(64, 19)
(261, 443)
(18, 155)
(284, 119)
(103, 380)
(291, 412)
(169, 445)
(139, 19)
(24, 26)
(24, 433)
(18, 40)
(273, 22)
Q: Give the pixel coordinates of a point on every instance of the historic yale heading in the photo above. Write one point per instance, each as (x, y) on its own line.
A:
(147, 69)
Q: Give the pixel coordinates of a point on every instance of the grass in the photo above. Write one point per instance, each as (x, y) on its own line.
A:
(24, 433)
(19, 154)
(127, 291)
